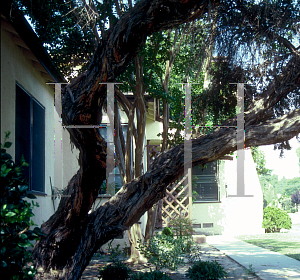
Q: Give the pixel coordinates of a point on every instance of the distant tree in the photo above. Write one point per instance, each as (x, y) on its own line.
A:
(296, 198)
(288, 186)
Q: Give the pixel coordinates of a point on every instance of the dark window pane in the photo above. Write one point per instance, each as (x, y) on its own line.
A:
(205, 182)
(38, 147)
(22, 129)
(30, 138)
(208, 169)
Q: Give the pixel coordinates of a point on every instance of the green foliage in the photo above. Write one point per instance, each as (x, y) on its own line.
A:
(194, 255)
(204, 270)
(275, 219)
(116, 271)
(167, 231)
(183, 227)
(115, 253)
(250, 270)
(16, 215)
(269, 195)
(152, 275)
(260, 161)
(286, 203)
(163, 251)
(284, 186)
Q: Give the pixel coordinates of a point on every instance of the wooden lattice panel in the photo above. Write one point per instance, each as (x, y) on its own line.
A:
(176, 202)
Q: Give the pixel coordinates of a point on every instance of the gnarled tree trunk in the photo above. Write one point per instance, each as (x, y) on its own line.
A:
(70, 233)
(73, 235)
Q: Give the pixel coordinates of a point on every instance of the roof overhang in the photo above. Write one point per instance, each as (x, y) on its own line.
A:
(26, 33)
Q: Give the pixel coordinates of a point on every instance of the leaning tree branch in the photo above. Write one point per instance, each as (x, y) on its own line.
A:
(135, 198)
(71, 222)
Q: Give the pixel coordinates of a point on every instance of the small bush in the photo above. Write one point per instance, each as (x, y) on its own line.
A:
(15, 258)
(275, 219)
(153, 275)
(168, 231)
(163, 251)
(204, 270)
(194, 255)
(115, 271)
(183, 227)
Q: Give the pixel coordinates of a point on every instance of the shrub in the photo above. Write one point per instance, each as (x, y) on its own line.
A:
(153, 275)
(194, 255)
(16, 213)
(275, 219)
(163, 251)
(168, 231)
(203, 270)
(115, 271)
(182, 226)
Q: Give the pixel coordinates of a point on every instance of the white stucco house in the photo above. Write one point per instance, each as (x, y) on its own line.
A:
(27, 109)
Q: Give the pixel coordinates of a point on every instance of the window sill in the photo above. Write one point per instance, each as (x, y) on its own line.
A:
(38, 193)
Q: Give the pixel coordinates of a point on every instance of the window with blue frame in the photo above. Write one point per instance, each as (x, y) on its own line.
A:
(30, 138)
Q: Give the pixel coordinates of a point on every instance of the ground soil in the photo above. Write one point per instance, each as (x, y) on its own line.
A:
(206, 252)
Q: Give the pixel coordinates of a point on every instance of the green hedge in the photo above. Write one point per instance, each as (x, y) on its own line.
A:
(275, 219)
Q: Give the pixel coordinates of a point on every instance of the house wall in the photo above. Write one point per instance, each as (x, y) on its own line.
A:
(66, 155)
(152, 129)
(232, 215)
(211, 212)
(244, 215)
(16, 68)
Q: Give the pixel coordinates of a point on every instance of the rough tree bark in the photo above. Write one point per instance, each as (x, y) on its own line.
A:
(73, 235)
(135, 233)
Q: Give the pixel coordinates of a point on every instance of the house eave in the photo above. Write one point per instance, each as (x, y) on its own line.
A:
(26, 33)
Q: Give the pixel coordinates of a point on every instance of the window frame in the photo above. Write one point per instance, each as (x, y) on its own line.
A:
(207, 179)
(35, 159)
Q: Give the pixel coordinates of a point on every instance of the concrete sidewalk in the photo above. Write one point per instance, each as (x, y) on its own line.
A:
(266, 264)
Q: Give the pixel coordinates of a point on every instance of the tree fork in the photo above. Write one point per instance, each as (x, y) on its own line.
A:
(81, 101)
(71, 226)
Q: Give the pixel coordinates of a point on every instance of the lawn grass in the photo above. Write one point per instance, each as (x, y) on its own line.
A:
(282, 243)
